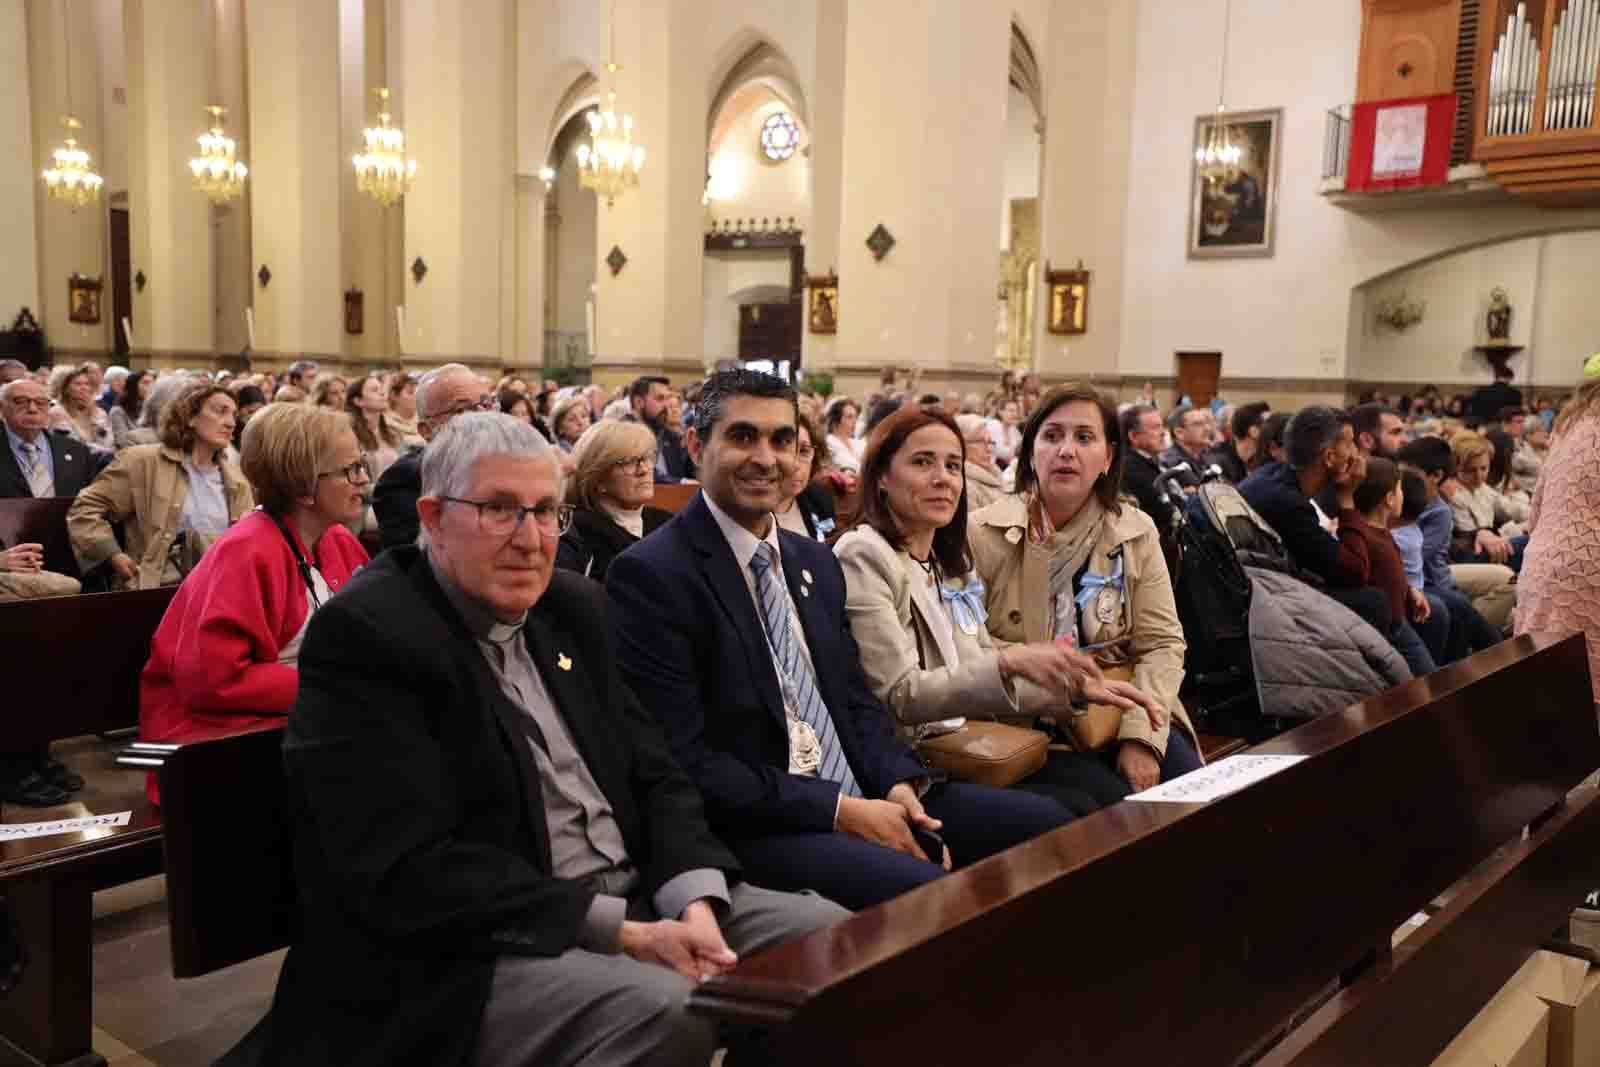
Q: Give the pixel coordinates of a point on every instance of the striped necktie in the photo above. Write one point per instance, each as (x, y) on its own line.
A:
(795, 671)
(40, 484)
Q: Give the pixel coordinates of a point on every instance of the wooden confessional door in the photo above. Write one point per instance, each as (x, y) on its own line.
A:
(1198, 376)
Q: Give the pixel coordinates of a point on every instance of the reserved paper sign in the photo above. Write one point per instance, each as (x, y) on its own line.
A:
(16, 831)
(1217, 780)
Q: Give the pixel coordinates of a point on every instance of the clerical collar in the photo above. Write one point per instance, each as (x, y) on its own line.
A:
(479, 618)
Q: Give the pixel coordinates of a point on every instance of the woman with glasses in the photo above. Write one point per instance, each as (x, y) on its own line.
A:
(224, 656)
(173, 499)
(609, 492)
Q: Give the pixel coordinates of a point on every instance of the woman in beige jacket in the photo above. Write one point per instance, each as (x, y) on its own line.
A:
(173, 498)
(916, 610)
(1066, 559)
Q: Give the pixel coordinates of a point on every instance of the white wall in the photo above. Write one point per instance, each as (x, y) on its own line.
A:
(1549, 281)
(747, 185)
(1288, 316)
(575, 248)
(19, 267)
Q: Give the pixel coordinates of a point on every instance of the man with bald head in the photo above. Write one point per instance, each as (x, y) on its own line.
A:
(442, 394)
(36, 463)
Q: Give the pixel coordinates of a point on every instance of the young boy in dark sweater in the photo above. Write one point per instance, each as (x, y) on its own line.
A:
(1364, 531)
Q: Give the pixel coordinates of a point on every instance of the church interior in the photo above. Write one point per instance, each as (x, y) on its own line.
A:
(1296, 202)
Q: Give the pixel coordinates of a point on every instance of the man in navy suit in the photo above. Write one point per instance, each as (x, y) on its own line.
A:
(733, 632)
(34, 462)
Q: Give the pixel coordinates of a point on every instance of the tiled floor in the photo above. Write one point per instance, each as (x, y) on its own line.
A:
(142, 1015)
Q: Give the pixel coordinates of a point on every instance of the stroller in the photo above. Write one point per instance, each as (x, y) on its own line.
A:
(1215, 535)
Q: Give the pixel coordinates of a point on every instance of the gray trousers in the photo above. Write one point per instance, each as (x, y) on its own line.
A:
(612, 1011)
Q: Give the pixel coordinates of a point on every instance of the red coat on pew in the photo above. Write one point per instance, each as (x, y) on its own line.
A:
(214, 658)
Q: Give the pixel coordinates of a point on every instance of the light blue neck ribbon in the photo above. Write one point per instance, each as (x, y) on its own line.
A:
(966, 604)
(1093, 583)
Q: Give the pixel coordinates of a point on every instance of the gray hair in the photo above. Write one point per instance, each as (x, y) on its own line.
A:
(161, 394)
(116, 374)
(427, 385)
(6, 390)
(971, 422)
(449, 459)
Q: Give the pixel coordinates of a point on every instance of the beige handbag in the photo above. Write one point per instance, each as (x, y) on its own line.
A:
(987, 753)
(1097, 725)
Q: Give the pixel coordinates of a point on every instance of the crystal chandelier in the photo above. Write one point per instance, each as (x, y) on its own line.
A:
(1218, 154)
(72, 180)
(216, 172)
(611, 162)
(383, 172)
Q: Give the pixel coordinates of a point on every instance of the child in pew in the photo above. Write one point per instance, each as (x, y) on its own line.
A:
(1404, 529)
(1365, 532)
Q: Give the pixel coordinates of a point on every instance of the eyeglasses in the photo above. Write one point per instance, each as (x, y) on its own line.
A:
(499, 518)
(34, 403)
(638, 464)
(358, 469)
(486, 402)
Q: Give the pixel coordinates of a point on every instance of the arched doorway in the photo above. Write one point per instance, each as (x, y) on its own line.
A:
(757, 207)
(1019, 235)
(571, 222)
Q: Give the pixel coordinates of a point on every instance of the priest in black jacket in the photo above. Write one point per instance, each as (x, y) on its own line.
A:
(498, 860)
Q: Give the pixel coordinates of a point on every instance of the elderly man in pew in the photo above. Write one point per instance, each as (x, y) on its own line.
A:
(734, 634)
(498, 860)
(36, 464)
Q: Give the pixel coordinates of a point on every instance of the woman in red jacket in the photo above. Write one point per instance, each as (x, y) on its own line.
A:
(224, 655)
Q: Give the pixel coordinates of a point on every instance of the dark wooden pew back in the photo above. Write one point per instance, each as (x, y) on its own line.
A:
(1191, 934)
(74, 663)
(25, 520)
(675, 498)
(230, 885)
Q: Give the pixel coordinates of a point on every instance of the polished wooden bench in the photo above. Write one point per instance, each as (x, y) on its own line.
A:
(42, 521)
(73, 663)
(676, 497)
(1198, 934)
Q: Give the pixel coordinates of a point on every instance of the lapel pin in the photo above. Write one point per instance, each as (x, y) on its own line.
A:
(67, 457)
(563, 662)
(805, 590)
(807, 576)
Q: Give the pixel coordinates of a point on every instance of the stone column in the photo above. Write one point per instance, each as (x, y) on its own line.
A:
(827, 168)
(1088, 131)
(169, 220)
(459, 120)
(70, 241)
(296, 167)
(924, 140)
(371, 231)
(19, 269)
(649, 313)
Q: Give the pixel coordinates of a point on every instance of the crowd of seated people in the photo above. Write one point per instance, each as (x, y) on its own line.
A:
(611, 749)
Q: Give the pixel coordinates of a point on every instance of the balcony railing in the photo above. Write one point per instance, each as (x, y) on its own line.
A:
(1336, 143)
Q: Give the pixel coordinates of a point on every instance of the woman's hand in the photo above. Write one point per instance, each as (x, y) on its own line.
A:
(124, 565)
(1493, 545)
(1124, 695)
(1138, 765)
(1055, 666)
(23, 559)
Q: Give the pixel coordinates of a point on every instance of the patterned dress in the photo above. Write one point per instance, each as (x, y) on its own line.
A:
(1559, 589)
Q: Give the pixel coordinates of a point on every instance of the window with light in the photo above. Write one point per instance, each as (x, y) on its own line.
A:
(779, 136)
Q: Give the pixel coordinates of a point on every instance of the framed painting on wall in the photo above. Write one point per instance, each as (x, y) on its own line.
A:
(83, 299)
(1069, 300)
(822, 314)
(1233, 211)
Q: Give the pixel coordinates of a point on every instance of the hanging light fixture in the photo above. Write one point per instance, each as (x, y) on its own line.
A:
(72, 180)
(216, 172)
(611, 162)
(1217, 154)
(383, 172)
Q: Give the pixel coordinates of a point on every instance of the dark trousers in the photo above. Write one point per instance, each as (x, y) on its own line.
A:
(1367, 602)
(1475, 630)
(978, 822)
(1412, 649)
(1085, 782)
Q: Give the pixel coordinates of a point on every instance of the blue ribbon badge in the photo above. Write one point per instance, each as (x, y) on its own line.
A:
(966, 605)
(1094, 583)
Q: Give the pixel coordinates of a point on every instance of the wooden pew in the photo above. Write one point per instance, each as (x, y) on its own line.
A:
(74, 663)
(1195, 934)
(675, 498)
(25, 520)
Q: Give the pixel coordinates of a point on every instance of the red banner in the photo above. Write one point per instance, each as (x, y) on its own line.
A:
(1401, 144)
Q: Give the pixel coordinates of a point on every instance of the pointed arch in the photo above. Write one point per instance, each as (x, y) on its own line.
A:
(582, 93)
(746, 57)
(1025, 73)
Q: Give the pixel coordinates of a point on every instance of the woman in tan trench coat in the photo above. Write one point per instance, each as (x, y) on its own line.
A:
(1065, 558)
(173, 498)
(916, 609)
